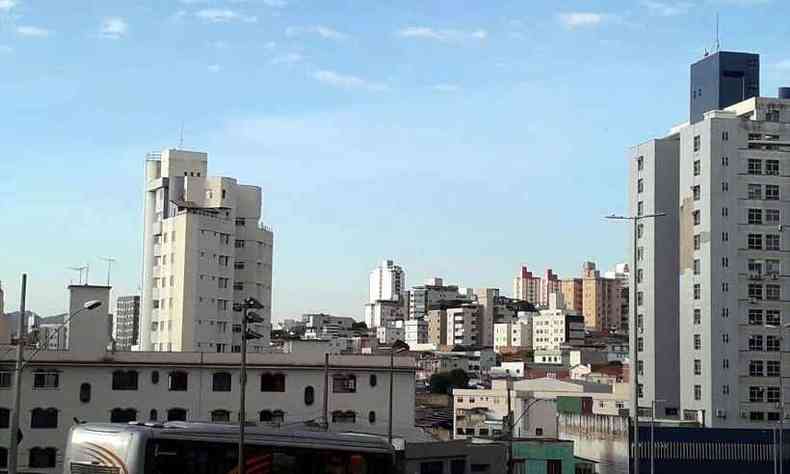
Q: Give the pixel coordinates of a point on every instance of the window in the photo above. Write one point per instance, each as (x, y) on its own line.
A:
(176, 414)
(725, 186)
(640, 185)
(348, 416)
(85, 392)
(772, 242)
(755, 368)
(42, 457)
(754, 166)
(725, 212)
(697, 367)
(773, 317)
(772, 216)
(640, 253)
(725, 262)
(432, 467)
(238, 286)
(725, 389)
(640, 390)
(772, 292)
(239, 244)
(640, 298)
(755, 191)
(272, 382)
(725, 236)
(756, 343)
(697, 217)
(309, 395)
(220, 382)
(44, 418)
(756, 394)
(725, 287)
(696, 266)
(697, 240)
(240, 221)
(698, 392)
(121, 415)
(344, 383)
(272, 416)
(6, 379)
(772, 394)
(222, 282)
(640, 163)
(640, 208)
(697, 342)
(725, 136)
(373, 380)
(696, 192)
(697, 291)
(772, 368)
(755, 242)
(155, 377)
(177, 381)
(640, 344)
(153, 415)
(755, 291)
(697, 316)
(725, 161)
(238, 265)
(220, 416)
(5, 418)
(725, 338)
(755, 216)
(772, 167)
(756, 317)
(46, 379)
(756, 415)
(372, 417)
(124, 380)
(640, 367)
(725, 312)
(697, 144)
(771, 192)
(640, 321)
(772, 343)
(725, 363)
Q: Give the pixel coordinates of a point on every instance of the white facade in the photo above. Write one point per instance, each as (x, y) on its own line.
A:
(282, 389)
(205, 252)
(391, 332)
(464, 326)
(387, 281)
(323, 326)
(480, 414)
(553, 328)
(382, 311)
(513, 336)
(416, 332)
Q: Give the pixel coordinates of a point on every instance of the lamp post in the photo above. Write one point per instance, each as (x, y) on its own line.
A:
(248, 316)
(635, 331)
(21, 363)
(780, 438)
(652, 436)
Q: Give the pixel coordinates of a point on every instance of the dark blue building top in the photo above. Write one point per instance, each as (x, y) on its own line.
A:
(722, 79)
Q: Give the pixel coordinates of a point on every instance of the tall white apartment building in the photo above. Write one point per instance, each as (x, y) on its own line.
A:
(526, 286)
(654, 283)
(387, 281)
(205, 251)
(513, 336)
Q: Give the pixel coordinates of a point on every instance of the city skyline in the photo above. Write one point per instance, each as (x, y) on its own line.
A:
(300, 104)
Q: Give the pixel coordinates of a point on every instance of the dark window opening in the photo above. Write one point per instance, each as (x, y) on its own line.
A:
(272, 382)
(177, 381)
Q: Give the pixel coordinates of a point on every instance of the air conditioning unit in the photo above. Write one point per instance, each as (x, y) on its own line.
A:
(721, 413)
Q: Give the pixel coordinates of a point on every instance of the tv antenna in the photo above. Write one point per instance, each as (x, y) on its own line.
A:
(109, 261)
(81, 269)
(716, 43)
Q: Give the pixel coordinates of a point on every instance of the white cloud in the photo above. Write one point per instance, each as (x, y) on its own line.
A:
(446, 87)
(443, 35)
(343, 81)
(220, 15)
(114, 27)
(214, 68)
(667, 8)
(320, 30)
(7, 5)
(33, 31)
(573, 20)
(290, 58)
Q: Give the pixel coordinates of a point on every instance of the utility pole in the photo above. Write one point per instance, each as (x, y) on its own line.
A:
(635, 331)
(20, 352)
(509, 419)
(248, 316)
(325, 422)
(392, 384)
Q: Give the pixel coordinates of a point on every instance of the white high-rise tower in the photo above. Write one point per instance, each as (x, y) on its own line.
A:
(386, 282)
(204, 252)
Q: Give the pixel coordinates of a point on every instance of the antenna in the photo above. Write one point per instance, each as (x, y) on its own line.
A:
(716, 35)
(109, 261)
(80, 270)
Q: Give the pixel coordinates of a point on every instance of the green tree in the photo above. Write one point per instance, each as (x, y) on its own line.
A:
(444, 382)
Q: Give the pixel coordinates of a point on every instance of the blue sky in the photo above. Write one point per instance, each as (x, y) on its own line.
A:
(459, 138)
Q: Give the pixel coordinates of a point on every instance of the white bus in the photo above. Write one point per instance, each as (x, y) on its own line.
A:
(207, 448)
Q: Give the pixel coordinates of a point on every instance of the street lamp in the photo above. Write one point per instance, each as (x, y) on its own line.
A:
(634, 342)
(781, 389)
(248, 316)
(21, 364)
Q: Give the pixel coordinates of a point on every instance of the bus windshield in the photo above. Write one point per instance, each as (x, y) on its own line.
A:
(168, 456)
